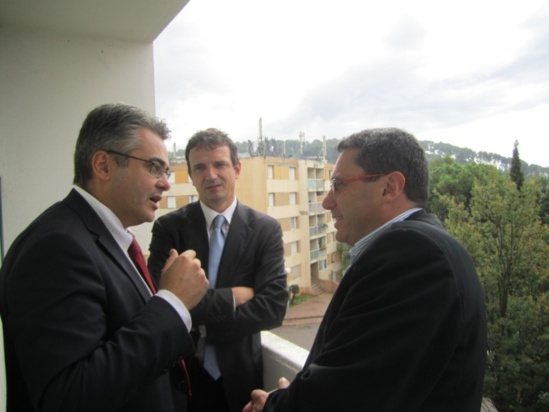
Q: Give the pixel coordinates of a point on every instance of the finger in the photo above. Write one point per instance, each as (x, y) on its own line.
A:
(283, 383)
(189, 253)
(173, 255)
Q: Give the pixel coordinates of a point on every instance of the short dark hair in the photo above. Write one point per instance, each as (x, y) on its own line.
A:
(386, 150)
(111, 127)
(210, 139)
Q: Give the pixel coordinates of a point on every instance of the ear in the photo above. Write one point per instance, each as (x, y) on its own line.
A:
(237, 169)
(102, 165)
(394, 186)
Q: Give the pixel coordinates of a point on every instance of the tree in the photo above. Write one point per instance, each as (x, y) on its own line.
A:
(452, 181)
(503, 233)
(544, 199)
(516, 172)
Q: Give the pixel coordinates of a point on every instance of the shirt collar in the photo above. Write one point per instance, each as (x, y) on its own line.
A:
(121, 235)
(210, 214)
(362, 243)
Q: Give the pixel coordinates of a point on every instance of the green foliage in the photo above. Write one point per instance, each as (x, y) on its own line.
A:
(299, 299)
(518, 367)
(453, 182)
(516, 172)
(294, 291)
(502, 231)
(543, 200)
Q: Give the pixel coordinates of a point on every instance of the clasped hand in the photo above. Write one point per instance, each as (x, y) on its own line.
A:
(259, 397)
(184, 277)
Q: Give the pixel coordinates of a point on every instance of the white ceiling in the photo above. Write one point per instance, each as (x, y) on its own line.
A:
(140, 20)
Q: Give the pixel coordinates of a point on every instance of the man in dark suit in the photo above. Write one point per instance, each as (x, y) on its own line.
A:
(405, 330)
(250, 292)
(82, 329)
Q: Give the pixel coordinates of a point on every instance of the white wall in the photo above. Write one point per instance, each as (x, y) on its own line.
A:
(48, 83)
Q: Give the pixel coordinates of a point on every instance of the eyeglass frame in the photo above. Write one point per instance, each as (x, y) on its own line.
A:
(157, 168)
(335, 183)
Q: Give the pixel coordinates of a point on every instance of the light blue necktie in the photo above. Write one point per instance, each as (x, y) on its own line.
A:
(217, 241)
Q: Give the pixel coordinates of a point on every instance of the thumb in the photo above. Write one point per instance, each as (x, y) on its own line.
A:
(171, 258)
(283, 383)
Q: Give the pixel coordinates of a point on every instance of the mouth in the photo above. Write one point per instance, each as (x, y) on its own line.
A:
(156, 200)
(213, 186)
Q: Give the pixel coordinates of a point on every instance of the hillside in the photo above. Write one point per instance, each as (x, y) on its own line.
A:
(314, 150)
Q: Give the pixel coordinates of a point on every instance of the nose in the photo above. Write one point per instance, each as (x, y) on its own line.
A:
(329, 202)
(163, 182)
(210, 173)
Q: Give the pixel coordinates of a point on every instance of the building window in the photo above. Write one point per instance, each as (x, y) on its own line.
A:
(270, 172)
(292, 173)
(294, 247)
(293, 198)
(271, 199)
(193, 198)
(293, 222)
(171, 202)
(296, 272)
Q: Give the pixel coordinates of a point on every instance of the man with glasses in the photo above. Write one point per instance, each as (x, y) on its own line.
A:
(85, 328)
(405, 330)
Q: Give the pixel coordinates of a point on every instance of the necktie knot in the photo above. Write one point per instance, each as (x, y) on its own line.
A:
(218, 222)
(134, 249)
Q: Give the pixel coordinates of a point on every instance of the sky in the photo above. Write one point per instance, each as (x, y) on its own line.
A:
(473, 73)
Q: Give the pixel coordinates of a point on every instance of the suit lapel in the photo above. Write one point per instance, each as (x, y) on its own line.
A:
(105, 240)
(235, 245)
(195, 223)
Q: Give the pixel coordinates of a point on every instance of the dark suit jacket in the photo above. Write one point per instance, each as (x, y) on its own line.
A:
(405, 330)
(253, 256)
(81, 331)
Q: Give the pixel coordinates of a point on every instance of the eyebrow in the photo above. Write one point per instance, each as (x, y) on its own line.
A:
(158, 160)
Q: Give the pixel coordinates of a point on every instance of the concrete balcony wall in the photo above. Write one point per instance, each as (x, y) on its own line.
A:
(280, 358)
(283, 358)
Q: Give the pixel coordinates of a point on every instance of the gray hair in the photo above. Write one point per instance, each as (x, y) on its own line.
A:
(111, 127)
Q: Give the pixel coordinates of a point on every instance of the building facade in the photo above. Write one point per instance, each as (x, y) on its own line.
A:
(291, 191)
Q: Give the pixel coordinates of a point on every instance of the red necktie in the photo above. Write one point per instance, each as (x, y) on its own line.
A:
(138, 259)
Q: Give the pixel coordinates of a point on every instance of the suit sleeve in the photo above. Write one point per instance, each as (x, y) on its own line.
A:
(267, 277)
(161, 243)
(83, 341)
(394, 320)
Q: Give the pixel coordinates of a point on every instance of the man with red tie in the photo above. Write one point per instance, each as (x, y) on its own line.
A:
(85, 328)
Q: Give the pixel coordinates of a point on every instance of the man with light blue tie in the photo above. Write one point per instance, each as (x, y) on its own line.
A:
(242, 252)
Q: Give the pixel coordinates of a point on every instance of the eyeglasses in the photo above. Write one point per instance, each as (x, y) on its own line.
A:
(157, 168)
(336, 184)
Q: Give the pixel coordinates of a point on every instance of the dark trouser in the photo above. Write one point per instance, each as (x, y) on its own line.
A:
(208, 395)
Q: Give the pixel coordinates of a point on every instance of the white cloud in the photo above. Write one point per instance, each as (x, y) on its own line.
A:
(472, 73)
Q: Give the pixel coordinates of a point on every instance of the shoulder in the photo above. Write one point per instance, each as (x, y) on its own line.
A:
(426, 226)
(185, 213)
(254, 217)
(55, 231)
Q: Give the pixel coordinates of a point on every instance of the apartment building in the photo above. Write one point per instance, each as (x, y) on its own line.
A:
(290, 190)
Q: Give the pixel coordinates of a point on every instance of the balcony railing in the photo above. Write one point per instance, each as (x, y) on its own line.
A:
(284, 358)
(316, 208)
(315, 184)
